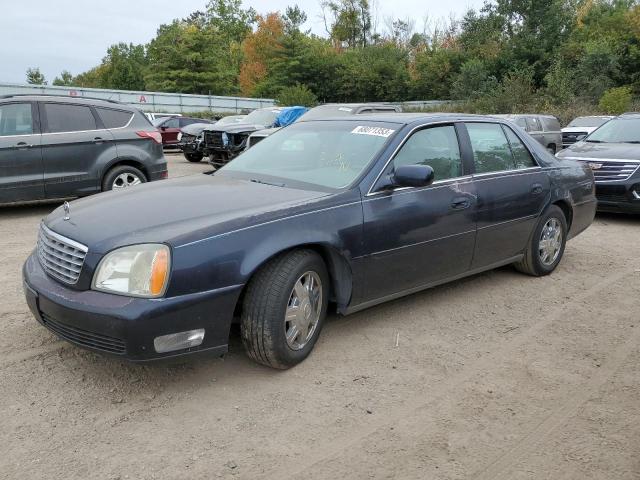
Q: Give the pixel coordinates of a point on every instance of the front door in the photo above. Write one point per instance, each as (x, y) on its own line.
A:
(414, 237)
(512, 192)
(73, 142)
(21, 176)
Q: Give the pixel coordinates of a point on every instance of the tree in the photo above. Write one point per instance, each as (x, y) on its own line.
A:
(260, 48)
(474, 81)
(616, 100)
(34, 77)
(348, 21)
(297, 95)
(123, 67)
(64, 80)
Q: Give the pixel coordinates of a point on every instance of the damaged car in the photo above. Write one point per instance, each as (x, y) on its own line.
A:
(191, 139)
(223, 143)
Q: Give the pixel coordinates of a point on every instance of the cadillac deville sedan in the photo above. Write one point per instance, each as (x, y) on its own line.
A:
(342, 212)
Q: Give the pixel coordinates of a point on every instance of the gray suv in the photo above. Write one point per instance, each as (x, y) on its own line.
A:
(61, 147)
(544, 128)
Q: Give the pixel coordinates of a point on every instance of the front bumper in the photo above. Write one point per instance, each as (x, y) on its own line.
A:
(126, 326)
(623, 197)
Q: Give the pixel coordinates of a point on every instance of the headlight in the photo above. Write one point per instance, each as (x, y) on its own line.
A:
(225, 139)
(137, 271)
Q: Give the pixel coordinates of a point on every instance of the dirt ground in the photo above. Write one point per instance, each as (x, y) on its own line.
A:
(499, 376)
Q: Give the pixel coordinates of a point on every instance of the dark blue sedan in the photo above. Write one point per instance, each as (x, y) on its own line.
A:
(347, 212)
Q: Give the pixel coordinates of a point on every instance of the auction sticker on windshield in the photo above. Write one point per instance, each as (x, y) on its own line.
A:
(376, 131)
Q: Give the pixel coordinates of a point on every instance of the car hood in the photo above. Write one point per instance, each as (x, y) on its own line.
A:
(601, 151)
(578, 129)
(176, 211)
(237, 128)
(194, 129)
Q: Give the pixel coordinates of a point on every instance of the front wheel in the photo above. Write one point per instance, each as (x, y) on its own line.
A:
(284, 308)
(194, 157)
(547, 244)
(122, 176)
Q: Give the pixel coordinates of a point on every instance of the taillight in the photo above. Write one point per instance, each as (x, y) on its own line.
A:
(152, 134)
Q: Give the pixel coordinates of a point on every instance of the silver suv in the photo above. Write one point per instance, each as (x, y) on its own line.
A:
(544, 128)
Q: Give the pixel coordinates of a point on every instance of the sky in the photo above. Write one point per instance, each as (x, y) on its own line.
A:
(74, 35)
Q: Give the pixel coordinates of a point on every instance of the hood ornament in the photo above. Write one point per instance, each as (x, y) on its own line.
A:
(67, 211)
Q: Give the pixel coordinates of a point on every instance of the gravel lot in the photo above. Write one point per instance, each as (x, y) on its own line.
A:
(499, 376)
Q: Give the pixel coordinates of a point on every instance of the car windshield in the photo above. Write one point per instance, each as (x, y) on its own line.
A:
(231, 119)
(587, 122)
(262, 117)
(618, 130)
(327, 111)
(325, 154)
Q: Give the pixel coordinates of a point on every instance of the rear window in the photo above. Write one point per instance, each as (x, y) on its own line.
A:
(68, 118)
(550, 124)
(114, 118)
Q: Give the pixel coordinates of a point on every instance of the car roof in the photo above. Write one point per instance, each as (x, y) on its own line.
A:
(403, 118)
(66, 99)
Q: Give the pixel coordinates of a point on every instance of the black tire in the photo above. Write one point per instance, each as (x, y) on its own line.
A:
(265, 304)
(111, 178)
(532, 263)
(193, 157)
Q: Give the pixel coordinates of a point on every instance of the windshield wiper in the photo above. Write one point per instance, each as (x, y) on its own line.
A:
(632, 141)
(255, 180)
(595, 141)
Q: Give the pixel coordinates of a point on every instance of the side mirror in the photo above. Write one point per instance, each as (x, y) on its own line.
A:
(163, 128)
(413, 176)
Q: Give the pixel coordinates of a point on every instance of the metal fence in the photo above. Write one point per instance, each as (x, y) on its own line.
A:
(147, 101)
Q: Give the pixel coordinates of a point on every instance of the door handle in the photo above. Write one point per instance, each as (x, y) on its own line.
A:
(99, 140)
(536, 189)
(460, 203)
(23, 145)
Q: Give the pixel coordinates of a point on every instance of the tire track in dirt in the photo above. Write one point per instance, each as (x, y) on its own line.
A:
(337, 447)
(499, 468)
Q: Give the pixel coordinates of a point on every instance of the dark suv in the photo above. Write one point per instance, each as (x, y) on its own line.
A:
(59, 147)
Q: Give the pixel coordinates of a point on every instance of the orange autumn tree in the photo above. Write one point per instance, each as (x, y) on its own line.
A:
(259, 48)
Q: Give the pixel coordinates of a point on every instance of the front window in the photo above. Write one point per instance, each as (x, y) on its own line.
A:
(618, 130)
(15, 119)
(436, 147)
(325, 154)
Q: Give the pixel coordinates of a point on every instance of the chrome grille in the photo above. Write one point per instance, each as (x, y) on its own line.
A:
(609, 170)
(61, 257)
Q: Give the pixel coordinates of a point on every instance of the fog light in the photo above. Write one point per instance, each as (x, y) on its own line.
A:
(178, 341)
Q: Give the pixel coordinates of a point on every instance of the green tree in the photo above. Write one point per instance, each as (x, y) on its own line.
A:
(297, 95)
(64, 80)
(348, 21)
(34, 77)
(616, 100)
(123, 67)
(473, 81)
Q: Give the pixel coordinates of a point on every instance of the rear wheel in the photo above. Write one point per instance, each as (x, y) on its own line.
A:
(122, 176)
(194, 157)
(284, 309)
(547, 244)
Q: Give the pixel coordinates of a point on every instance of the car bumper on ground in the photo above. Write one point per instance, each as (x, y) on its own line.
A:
(126, 326)
(623, 197)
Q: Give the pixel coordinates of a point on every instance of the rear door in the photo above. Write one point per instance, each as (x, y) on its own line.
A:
(169, 130)
(21, 175)
(73, 140)
(512, 192)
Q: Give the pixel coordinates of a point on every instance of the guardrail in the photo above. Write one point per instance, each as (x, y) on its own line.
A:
(147, 101)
